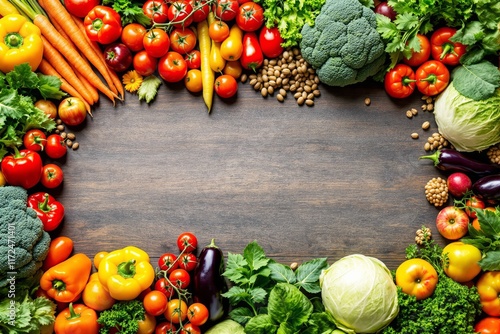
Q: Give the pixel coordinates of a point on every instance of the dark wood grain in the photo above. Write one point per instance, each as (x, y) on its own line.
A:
(327, 181)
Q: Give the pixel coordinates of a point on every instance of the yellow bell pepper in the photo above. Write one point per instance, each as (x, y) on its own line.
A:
(7, 8)
(126, 272)
(20, 42)
(488, 287)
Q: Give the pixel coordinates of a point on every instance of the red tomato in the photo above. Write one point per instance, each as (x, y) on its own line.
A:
(180, 278)
(60, 249)
(270, 41)
(476, 203)
(193, 59)
(133, 36)
(168, 262)
(399, 82)
(164, 287)
(182, 40)
(144, 64)
(226, 10)
(200, 10)
(172, 67)
(432, 77)
(187, 242)
(252, 56)
(52, 176)
(417, 58)
(189, 328)
(72, 111)
(197, 314)
(188, 261)
(226, 86)
(218, 31)
(155, 303)
(55, 148)
(250, 16)
(165, 327)
(179, 14)
(488, 325)
(80, 8)
(156, 10)
(156, 42)
(34, 140)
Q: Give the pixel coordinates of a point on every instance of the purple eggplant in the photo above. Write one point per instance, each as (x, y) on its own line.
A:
(487, 187)
(209, 284)
(450, 160)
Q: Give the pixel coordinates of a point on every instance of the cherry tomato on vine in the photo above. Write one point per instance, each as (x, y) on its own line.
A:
(144, 64)
(164, 286)
(197, 314)
(176, 311)
(179, 13)
(156, 42)
(226, 86)
(188, 261)
(34, 140)
(168, 262)
(180, 278)
(189, 328)
(488, 325)
(194, 84)
(155, 303)
(432, 77)
(172, 67)
(193, 59)
(165, 327)
(226, 10)
(417, 58)
(156, 10)
(182, 40)
(52, 176)
(187, 242)
(55, 147)
(399, 82)
(200, 10)
(473, 202)
(218, 31)
(250, 16)
(133, 35)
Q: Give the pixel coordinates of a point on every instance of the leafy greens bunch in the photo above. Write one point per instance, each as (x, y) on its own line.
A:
(18, 91)
(269, 297)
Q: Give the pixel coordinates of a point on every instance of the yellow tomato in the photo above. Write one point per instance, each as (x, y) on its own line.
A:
(233, 68)
(98, 257)
(463, 261)
(193, 81)
(95, 296)
(176, 311)
(147, 326)
(417, 277)
(488, 287)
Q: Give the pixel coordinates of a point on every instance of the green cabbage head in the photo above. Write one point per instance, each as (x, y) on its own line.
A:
(467, 124)
(360, 294)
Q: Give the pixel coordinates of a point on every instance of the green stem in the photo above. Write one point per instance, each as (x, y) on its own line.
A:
(58, 285)
(434, 157)
(72, 313)
(127, 269)
(44, 206)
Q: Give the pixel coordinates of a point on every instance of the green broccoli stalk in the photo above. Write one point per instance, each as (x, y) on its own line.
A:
(343, 46)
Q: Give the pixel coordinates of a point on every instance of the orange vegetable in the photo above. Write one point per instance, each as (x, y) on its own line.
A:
(59, 250)
(95, 295)
(65, 281)
(488, 287)
(76, 319)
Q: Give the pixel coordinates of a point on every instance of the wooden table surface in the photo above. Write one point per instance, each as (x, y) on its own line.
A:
(304, 182)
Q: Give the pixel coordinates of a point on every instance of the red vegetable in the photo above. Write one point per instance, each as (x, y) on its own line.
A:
(103, 24)
(445, 50)
(432, 77)
(399, 82)
(80, 8)
(252, 57)
(50, 211)
(23, 168)
(270, 41)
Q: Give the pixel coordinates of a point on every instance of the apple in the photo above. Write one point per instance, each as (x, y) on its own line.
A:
(458, 184)
(452, 222)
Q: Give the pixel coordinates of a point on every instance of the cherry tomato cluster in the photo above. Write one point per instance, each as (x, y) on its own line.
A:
(426, 69)
(170, 299)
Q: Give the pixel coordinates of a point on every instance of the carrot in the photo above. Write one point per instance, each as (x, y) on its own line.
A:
(58, 62)
(92, 90)
(73, 57)
(57, 10)
(208, 76)
(47, 69)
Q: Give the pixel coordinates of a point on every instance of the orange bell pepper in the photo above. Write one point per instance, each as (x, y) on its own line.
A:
(488, 287)
(65, 281)
(77, 319)
(95, 295)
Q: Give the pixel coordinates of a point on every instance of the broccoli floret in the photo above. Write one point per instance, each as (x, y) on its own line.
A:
(21, 236)
(343, 45)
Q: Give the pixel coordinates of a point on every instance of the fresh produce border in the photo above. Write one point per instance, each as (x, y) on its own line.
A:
(57, 59)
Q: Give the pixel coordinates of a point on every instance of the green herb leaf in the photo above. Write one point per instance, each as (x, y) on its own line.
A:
(241, 315)
(477, 81)
(261, 324)
(308, 274)
(149, 88)
(255, 256)
(288, 305)
(282, 273)
(490, 261)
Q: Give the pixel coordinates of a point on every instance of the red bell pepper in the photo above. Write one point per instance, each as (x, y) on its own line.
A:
(103, 24)
(399, 82)
(23, 168)
(50, 211)
(445, 50)
(252, 56)
(432, 77)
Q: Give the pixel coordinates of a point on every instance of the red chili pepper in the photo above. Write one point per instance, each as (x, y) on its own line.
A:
(252, 57)
(50, 211)
(445, 50)
(432, 77)
(399, 82)
(103, 24)
(23, 168)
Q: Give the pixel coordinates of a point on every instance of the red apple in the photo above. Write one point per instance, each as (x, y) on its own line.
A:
(452, 222)
(458, 184)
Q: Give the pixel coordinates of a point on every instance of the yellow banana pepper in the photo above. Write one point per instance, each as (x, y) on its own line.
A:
(126, 272)
(20, 42)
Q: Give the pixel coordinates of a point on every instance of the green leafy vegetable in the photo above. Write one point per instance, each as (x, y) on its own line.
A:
(130, 11)
(476, 81)
(149, 88)
(124, 316)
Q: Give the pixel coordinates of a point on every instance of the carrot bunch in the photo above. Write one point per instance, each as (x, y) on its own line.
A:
(69, 54)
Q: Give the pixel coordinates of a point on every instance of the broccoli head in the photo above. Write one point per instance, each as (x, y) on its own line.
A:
(343, 46)
(23, 242)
